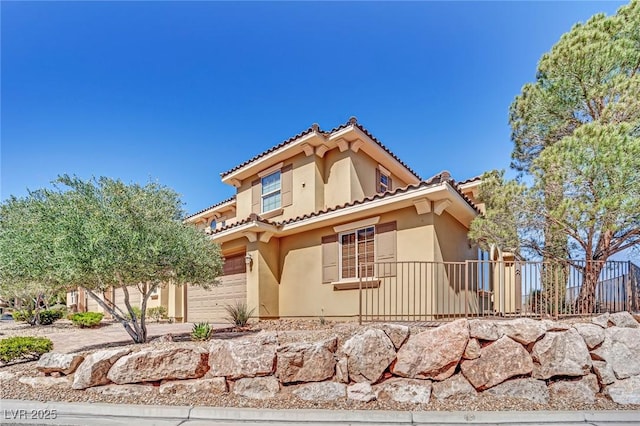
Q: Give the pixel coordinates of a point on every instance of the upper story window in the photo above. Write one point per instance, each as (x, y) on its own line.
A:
(383, 180)
(271, 186)
(213, 225)
(357, 253)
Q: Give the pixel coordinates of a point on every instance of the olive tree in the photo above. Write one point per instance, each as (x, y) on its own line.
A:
(102, 234)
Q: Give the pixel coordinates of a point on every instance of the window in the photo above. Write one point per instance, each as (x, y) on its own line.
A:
(357, 253)
(213, 225)
(73, 299)
(271, 192)
(383, 180)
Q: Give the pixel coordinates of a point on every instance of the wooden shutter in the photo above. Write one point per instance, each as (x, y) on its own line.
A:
(286, 185)
(256, 196)
(378, 188)
(386, 249)
(390, 185)
(330, 270)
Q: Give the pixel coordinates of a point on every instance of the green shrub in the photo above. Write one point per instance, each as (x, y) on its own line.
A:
(136, 311)
(18, 347)
(23, 315)
(157, 313)
(50, 316)
(86, 319)
(201, 331)
(238, 314)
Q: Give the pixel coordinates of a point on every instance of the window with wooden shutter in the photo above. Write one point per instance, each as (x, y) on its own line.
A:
(383, 180)
(256, 196)
(330, 258)
(287, 185)
(357, 253)
(386, 235)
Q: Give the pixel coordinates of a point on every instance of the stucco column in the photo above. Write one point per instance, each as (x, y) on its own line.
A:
(263, 278)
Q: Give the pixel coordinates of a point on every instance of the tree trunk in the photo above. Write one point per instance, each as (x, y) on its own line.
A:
(586, 301)
(128, 326)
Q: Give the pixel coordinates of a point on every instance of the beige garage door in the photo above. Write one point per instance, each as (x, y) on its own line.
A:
(135, 298)
(209, 305)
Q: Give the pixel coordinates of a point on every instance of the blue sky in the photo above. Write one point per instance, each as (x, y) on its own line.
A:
(180, 92)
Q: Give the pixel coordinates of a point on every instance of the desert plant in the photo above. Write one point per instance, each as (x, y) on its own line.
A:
(157, 313)
(201, 331)
(86, 319)
(238, 314)
(136, 311)
(28, 347)
(50, 316)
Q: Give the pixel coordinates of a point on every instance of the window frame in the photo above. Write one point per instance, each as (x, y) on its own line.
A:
(384, 187)
(270, 193)
(355, 231)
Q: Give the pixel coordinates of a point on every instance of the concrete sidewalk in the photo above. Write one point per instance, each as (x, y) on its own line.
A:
(60, 413)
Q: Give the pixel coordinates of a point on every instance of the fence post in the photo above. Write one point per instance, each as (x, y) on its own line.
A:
(556, 284)
(360, 301)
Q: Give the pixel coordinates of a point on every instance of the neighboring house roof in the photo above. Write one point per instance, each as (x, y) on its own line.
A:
(473, 179)
(439, 179)
(316, 128)
(232, 198)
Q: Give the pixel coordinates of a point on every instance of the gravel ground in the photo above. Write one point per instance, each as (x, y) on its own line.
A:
(288, 331)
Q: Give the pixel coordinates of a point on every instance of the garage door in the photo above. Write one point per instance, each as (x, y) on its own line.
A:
(209, 305)
(135, 298)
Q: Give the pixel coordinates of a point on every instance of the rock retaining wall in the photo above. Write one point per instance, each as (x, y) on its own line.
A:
(521, 358)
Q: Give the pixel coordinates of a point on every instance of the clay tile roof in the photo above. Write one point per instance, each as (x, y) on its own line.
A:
(252, 218)
(473, 179)
(211, 207)
(353, 121)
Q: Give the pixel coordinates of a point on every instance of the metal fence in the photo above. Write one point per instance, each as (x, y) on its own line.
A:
(430, 291)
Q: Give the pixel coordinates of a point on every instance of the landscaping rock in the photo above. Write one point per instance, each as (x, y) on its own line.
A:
(604, 372)
(369, 353)
(623, 319)
(455, 386)
(472, 351)
(257, 387)
(342, 371)
(161, 340)
(498, 362)
(6, 376)
(123, 390)
(432, 354)
(45, 381)
(397, 333)
(53, 362)
(321, 391)
(601, 320)
(625, 391)
(306, 362)
(405, 390)
(555, 325)
(621, 351)
(592, 334)
(561, 354)
(483, 330)
(581, 391)
(361, 392)
(522, 330)
(191, 386)
(93, 370)
(530, 389)
(159, 364)
(248, 357)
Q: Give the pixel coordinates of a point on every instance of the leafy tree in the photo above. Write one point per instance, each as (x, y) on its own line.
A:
(576, 133)
(102, 234)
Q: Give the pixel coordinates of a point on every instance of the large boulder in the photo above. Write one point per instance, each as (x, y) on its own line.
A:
(592, 334)
(604, 372)
(93, 370)
(433, 354)
(362, 392)
(561, 354)
(306, 362)
(397, 333)
(455, 386)
(193, 386)
(529, 389)
(404, 390)
(498, 362)
(54, 362)
(472, 351)
(484, 330)
(623, 319)
(321, 391)
(41, 382)
(621, 351)
(369, 353)
(625, 391)
(257, 387)
(149, 365)
(522, 330)
(124, 390)
(249, 357)
(581, 391)
(601, 320)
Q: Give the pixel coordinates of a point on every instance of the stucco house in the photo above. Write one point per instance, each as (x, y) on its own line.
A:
(310, 213)
(312, 216)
